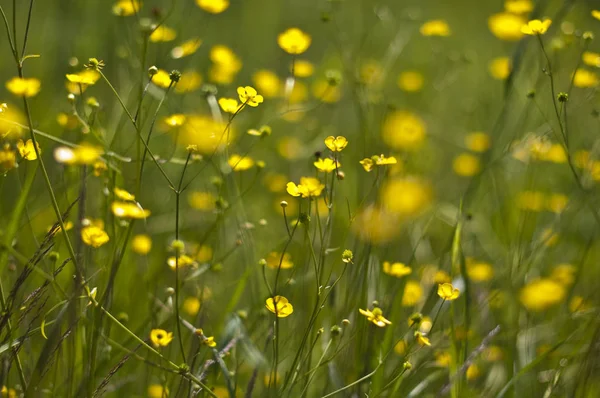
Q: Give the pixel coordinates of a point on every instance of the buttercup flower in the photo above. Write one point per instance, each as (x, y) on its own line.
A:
(141, 244)
(437, 27)
(279, 306)
(26, 149)
(94, 236)
(213, 6)
(396, 269)
(163, 33)
(596, 14)
(249, 96)
(129, 210)
(160, 338)
(377, 160)
(448, 292)
(274, 258)
(26, 87)
(308, 187)
(536, 27)
(186, 48)
(327, 165)
(506, 26)
(336, 144)
(229, 105)
(375, 316)
(125, 8)
(422, 340)
(294, 41)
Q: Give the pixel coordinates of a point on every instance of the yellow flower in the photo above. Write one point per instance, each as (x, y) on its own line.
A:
(85, 77)
(407, 196)
(8, 392)
(294, 41)
(478, 142)
(123, 194)
(125, 8)
(410, 81)
(375, 316)
(274, 258)
(268, 83)
(160, 338)
(436, 27)
(141, 244)
(249, 96)
(324, 91)
(506, 26)
(83, 154)
(447, 292)
(191, 305)
(175, 120)
(542, 294)
(479, 272)
(585, 79)
(263, 131)
(213, 6)
(403, 130)
(163, 33)
(156, 390)
(518, 6)
(26, 149)
(536, 27)
(239, 163)
(591, 59)
(412, 293)
(596, 14)
(302, 68)
(377, 160)
(336, 144)
(94, 236)
(229, 105)
(400, 347)
(182, 261)
(556, 202)
(202, 201)
(500, 68)
(129, 210)
(162, 79)
(279, 306)
(327, 165)
(441, 276)
(466, 165)
(473, 372)
(531, 200)
(308, 187)
(26, 87)
(564, 274)
(374, 224)
(422, 340)
(186, 48)
(396, 269)
(188, 82)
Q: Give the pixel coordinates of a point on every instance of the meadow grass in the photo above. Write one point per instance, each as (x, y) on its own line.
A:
(205, 198)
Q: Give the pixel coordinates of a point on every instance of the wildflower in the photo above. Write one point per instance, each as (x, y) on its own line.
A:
(506, 26)
(8, 392)
(125, 8)
(400, 347)
(83, 154)
(436, 27)
(229, 105)
(466, 165)
(596, 14)
(191, 305)
(518, 6)
(448, 292)
(162, 33)
(327, 165)
(182, 261)
(478, 142)
(263, 131)
(141, 244)
(239, 163)
(302, 68)
(541, 294)
(407, 196)
(94, 236)
(175, 120)
(556, 202)
(129, 210)
(26, 87)
(95, 64)
(564, 274)
(377, 160)
(294, 41)
(500, 68)
(326, 91)
(189, 81)
(403, 130)
(249, 96)
(375, 224)
(26, 149)
(268, 83)
(412, 293)
(473, 372)
(160, 338)
(336, 144)
(441, 276)
(308, 187)
(280, 306)
(161, 79)
(123, 194)
(347, 256)
(186, 48)
(536, 27)
(443, 359)
(410, 81)
(202, 201)
(422, 340)
(156, 390)
(585, 79)
(85, 77)
(375, 316)
(274, 259)
(213, 6)
(479, 271)
(396, 269)
(204, 254)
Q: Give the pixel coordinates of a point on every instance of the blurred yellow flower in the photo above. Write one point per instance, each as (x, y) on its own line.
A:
(294, 41)
(302, 68)
(85, 77)
(162, 79)
(531, 200)
(448, 292)
(129, 210)
(479, 271)
(94, 236)
(336, 144)
(123, 194)
(375, 316)
(400, 347)
(377, 160)
(191, 305)
(326, 92)
(500, 67)
(274, 258)
(591, 59)
(422, 340)
(205, 201)
(175, 120)
(204, 254)
(564, 274)
(412, 293)
(466, 165)
(436, 27)
(472, 372)
(442, 359)
(308, 187)
(596, 14)
(240, 163)
(407, 196)
(189, 81)
(249, 96)
(327, 165)
(229, 105)
(263, 131)
(584, 78)
(280, 306)
(518, 6)
(396, 269)
(506, 26)
(160, 338)
(26, 87)
(141, 244)
(376, 225)
(182, 261)
(556, 202)
(125, 8)
(441, 276)
(213, 6)
(410, 81)
(536, 27)
(541, 294)
(186, 48)
(162, 34)
(26, 149)
(478, 141)
(404, 130)
(268, 83)
(8, 158)
(156, 390)
(83, 154)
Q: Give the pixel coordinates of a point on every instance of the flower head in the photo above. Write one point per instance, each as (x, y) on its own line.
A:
(437, 27)
(249, 96)
(279, 306)
(229, 105)
(129, 210)
(26, 149)
(447, 291)
(422, 340)
(294, 41)
(596, 14)
(94, 236)
(213, 6)
(375, 316)
(336, 144)
(25, 87)
(95, 64)
(160, 338)
(536, 27)
(396, 269)
(308, 187)
(327, 165)
(377, 160)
